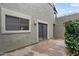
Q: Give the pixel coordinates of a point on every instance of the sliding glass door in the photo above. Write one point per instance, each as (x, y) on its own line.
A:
(42, 29)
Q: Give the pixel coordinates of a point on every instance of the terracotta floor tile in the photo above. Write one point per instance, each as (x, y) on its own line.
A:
(50, 47)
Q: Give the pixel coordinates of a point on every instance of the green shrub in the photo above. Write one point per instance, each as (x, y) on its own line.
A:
(72, 36)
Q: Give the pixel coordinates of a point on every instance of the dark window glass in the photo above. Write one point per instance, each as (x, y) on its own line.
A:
(12, 23)
(16, 23)
(24, 24)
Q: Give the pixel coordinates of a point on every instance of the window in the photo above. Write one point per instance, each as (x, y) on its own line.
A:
(24, 24)
(16, 23)
(13, 22)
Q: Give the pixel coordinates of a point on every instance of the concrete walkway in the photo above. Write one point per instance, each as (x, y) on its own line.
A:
(45, 48)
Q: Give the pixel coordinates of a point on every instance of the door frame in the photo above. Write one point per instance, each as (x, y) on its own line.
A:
(41, 21)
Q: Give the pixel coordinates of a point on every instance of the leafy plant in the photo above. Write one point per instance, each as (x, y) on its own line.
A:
(72, 36)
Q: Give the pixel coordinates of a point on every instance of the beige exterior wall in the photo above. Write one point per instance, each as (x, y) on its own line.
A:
(59, 31)
(39, 11)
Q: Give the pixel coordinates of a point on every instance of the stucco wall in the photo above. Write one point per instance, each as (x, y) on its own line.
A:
(36, 11)
(59, 32)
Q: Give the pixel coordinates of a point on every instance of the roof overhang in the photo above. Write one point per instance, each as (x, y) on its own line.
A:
(53, 6)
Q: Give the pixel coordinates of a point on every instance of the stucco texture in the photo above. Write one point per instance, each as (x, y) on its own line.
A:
(36, 11)
(59, 28)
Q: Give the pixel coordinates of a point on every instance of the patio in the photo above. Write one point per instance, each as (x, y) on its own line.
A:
(51, 47)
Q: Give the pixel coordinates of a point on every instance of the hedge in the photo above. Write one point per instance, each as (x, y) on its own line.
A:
(72, 36)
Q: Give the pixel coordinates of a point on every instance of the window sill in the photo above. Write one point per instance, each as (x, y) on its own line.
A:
(16, 32)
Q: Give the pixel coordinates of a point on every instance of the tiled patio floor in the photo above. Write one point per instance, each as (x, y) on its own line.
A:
(45, 48)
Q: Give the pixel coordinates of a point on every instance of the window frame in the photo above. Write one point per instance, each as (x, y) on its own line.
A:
(5, 12)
